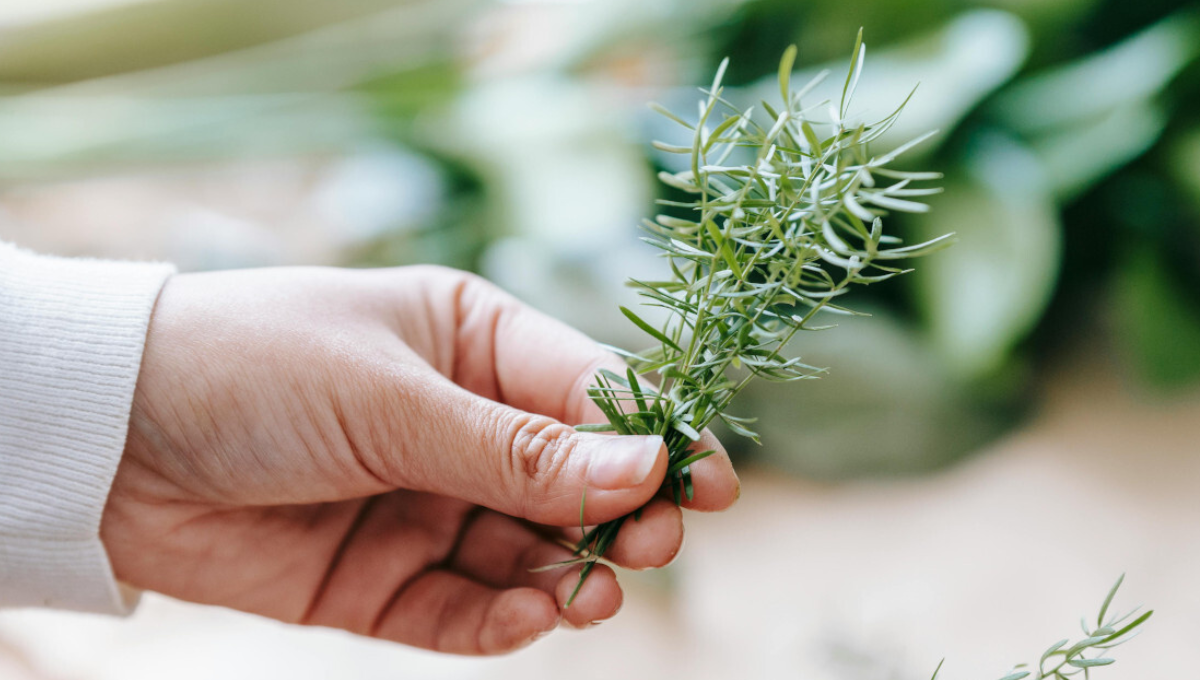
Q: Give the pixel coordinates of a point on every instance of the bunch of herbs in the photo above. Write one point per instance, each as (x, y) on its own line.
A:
(784, 215)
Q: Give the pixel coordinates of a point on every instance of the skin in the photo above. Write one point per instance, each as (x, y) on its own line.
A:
(388, 452)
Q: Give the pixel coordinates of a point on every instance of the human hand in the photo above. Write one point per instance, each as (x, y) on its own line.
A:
(381, 451)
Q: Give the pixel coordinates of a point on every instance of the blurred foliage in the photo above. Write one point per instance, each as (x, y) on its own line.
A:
(179, 80)
(99, 44)
(1073, 181)
(1074, 186)
(1070, 139)
(1159, 327)
(144, 85)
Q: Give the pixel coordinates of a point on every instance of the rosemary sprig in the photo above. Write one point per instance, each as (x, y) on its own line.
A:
(1065, 659)
(784, 216)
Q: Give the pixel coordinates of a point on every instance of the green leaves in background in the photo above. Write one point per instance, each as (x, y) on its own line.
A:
(1138, 68)
(1049, 140)
(1157, 320)
(983, 300)
(1088, 118)
(955, 65)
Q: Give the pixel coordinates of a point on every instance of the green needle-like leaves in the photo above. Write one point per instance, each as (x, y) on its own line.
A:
(784, 216)
(1063, 660)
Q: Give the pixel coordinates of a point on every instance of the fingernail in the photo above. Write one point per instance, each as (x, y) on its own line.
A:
(617, 462)
(679, 550)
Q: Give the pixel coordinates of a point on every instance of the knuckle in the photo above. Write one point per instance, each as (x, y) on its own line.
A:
(473, 291)
(538, 449)
(461, 284)
(477, 302)
(446, 285)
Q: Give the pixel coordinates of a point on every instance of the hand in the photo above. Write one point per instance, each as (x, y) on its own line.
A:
(381, 451)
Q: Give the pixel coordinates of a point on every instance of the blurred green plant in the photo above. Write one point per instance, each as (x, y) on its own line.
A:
(782, 221)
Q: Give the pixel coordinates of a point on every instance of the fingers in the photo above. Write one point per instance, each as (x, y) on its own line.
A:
(650, 541)
(501, 552)
(599, 593)
(468, 617)
(715, 485)
(456, 443)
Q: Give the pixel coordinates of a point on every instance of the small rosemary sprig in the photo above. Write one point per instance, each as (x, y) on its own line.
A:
(1064, 659)
(783, 217)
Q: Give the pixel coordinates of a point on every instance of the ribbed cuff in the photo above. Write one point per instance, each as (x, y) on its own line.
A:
(71, 340)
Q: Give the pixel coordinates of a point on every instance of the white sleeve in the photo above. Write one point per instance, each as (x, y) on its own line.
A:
(71, 340)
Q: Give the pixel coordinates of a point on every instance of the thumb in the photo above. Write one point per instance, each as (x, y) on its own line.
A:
(529, 465)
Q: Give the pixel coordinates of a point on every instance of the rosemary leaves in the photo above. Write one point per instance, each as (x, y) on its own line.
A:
(1065, 659)
(784, 214)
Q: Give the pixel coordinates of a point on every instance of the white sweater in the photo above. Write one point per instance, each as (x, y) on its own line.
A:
(71, 340)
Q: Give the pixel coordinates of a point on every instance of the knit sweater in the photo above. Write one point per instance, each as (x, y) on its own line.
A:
(71, 340)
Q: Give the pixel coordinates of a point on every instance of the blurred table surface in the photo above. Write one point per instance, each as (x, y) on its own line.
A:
(985, 564)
